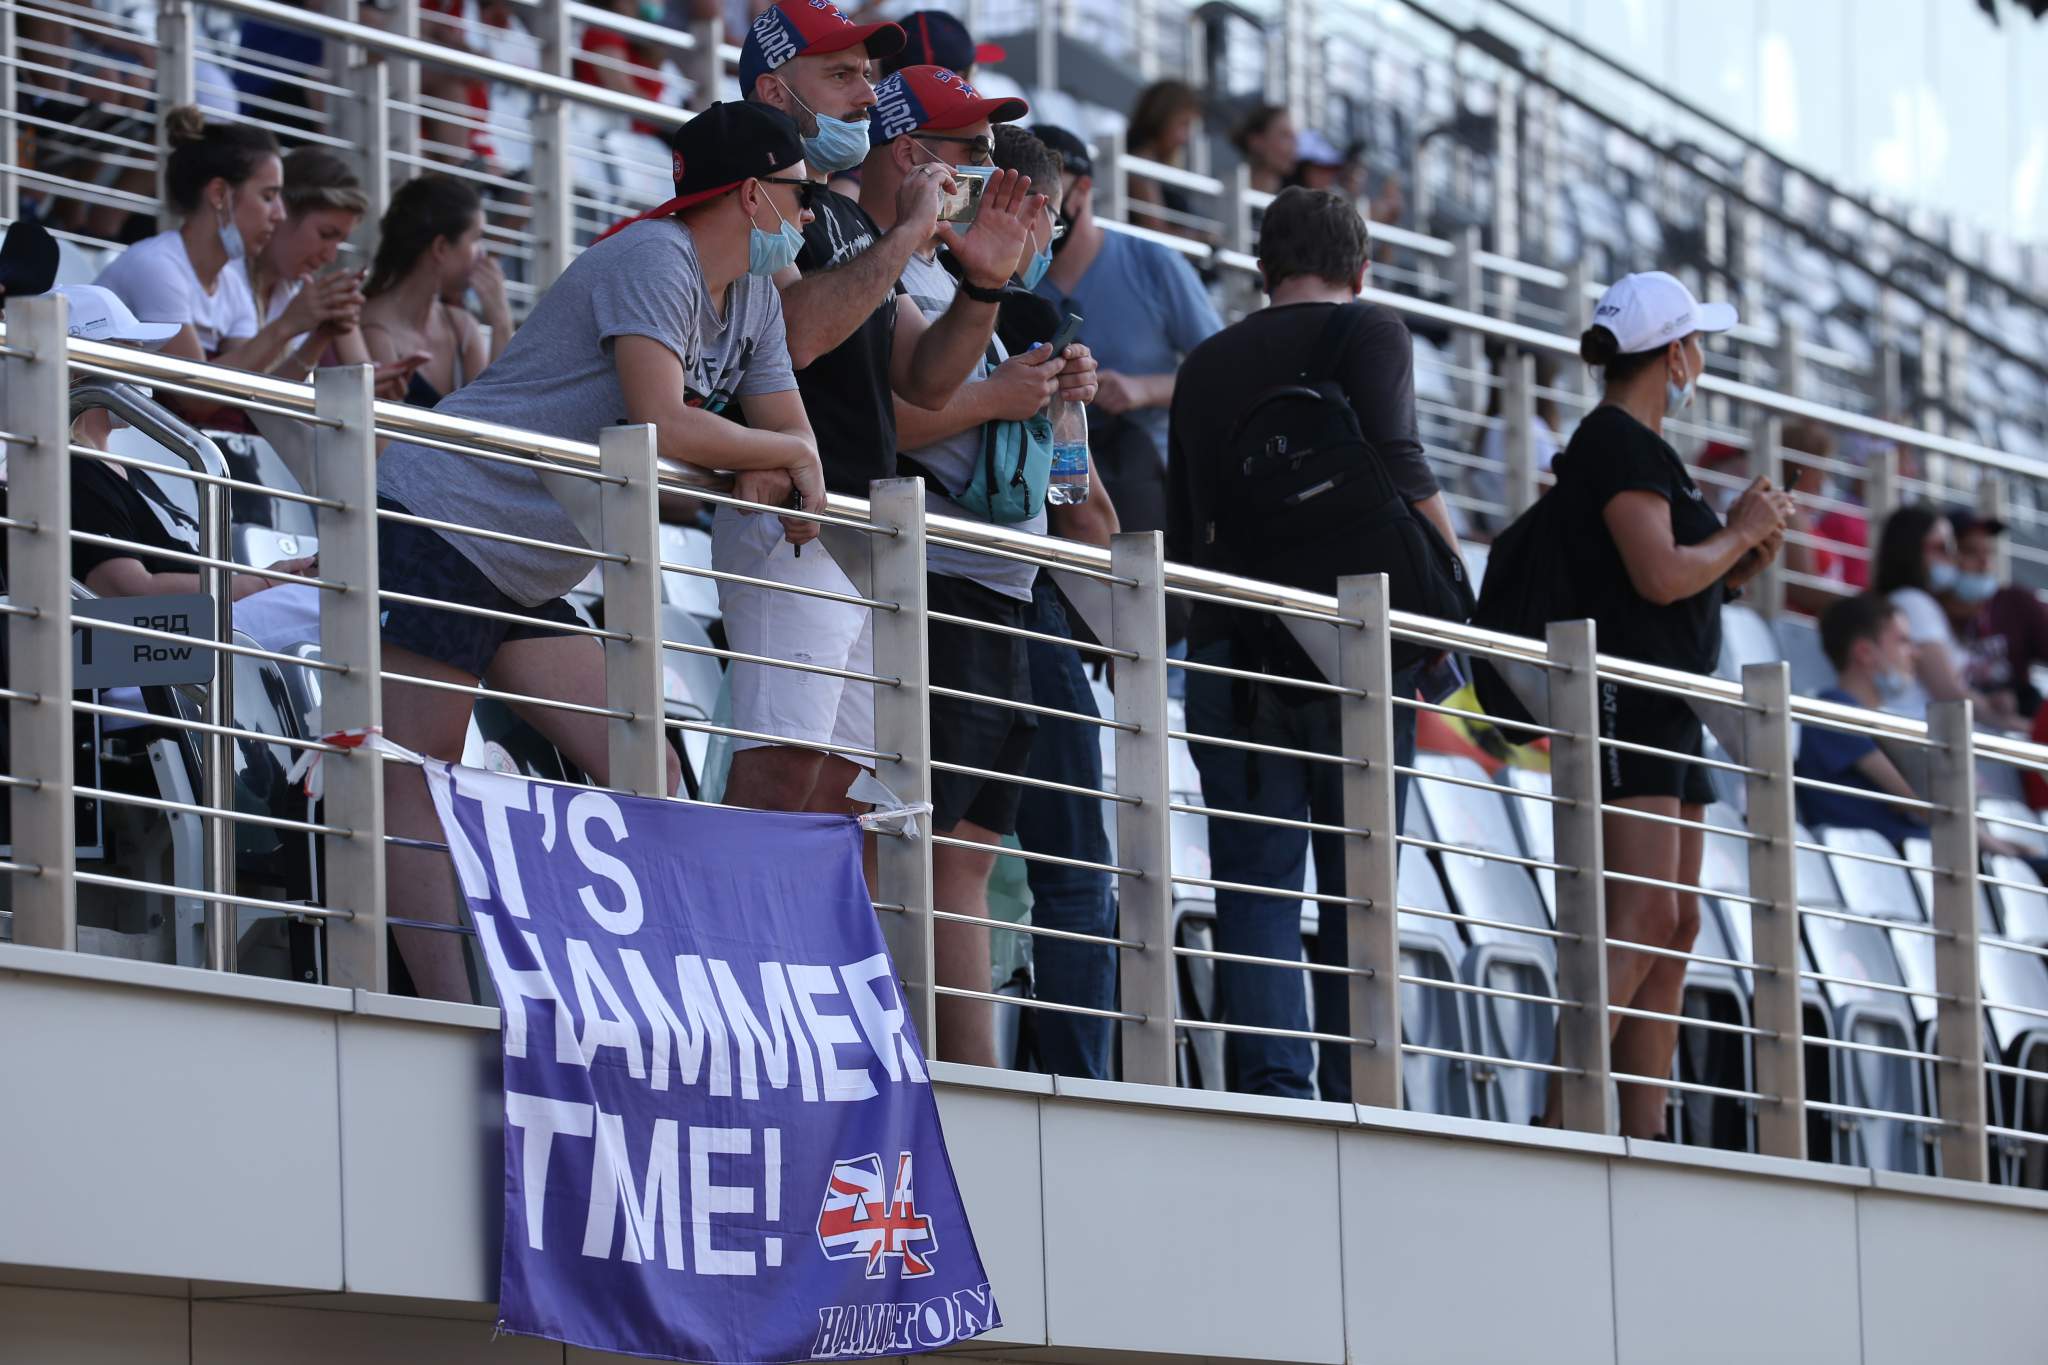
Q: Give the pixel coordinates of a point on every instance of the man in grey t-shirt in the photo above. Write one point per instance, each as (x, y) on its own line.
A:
(661, 321)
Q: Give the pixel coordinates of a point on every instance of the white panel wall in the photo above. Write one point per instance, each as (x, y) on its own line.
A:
(237, 1136)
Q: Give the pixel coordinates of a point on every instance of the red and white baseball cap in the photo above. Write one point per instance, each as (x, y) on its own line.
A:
(808, 28)
(1649, 311)
(920, 97)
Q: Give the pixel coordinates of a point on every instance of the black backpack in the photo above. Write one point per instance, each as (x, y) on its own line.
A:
(1528, 585)
(1305, 500)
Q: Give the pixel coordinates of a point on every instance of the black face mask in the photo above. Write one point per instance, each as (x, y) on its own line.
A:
(1059, 243)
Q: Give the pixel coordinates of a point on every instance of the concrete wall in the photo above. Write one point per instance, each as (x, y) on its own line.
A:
(208, 1169)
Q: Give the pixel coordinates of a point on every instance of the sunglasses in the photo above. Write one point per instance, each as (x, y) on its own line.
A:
(981, 151)
(806, 190)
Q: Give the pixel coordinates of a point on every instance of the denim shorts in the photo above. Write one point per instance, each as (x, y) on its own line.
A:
(423, 563)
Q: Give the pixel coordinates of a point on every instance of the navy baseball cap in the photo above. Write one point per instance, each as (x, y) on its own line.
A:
(937, 38)
(807, 28)
(722, 148)
(920, 97)
(1075, 157)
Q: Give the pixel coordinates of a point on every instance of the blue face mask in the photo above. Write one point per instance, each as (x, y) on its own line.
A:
(1035, 270)
(1941, 576)
(838, 145)
(1975, 587)
(770, 253)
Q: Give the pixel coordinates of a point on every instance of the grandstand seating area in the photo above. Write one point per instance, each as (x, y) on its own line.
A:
(1524, 197)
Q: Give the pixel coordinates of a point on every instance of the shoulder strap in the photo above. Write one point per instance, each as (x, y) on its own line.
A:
(1323, 357)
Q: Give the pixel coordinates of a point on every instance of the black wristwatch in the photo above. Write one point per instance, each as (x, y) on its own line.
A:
(979, 294)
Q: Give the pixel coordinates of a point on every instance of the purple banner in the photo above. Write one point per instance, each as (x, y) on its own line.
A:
(720, 1139)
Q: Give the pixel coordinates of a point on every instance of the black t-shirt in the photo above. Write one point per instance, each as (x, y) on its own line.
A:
(133, 509)
(1219, 379)
(1610, 454)
(846, 390)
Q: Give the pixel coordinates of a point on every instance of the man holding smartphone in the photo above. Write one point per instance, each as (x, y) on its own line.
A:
(925, 115)
(858, 344)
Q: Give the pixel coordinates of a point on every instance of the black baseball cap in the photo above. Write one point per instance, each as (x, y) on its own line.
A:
(1964, 520)
(722, 148)
(936, 38)
(1075, 157)
(28, 259)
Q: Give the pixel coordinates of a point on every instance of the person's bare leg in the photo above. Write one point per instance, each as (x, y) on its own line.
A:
(1645, 1046)
(1635, 913)
(960, 876)
(420, 883)
(777, 778)
(828, 797)
(567, 668)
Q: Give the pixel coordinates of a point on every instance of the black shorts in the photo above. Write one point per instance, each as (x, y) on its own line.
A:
(977, 734)
(1637, 716)
(412, 559)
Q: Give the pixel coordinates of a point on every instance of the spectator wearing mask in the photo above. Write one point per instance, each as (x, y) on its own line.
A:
(1866, 639)
(1162, 124)
(858, 344)
(1916, 569)
(2003, 628)
(1651, 561)
(1143, 309)
(1069, 752)
(430, 244)
(1266, 139)
(946, 447)
(1313, 256)
(323, 203)
(227, 183)
(668, 319)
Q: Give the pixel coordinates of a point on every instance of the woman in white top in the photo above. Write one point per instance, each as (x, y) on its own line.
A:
(1915, 565)
(226, 182)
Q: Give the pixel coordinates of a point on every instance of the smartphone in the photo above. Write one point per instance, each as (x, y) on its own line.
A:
(965, 200)
(1070, 327)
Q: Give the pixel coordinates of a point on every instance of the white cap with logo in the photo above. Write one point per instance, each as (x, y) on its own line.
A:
(1649, 311)
(98, 314)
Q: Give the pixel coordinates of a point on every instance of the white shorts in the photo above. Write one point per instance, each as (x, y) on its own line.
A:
(788, 702)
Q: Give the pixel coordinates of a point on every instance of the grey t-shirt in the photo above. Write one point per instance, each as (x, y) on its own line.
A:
(951, 462)
(558, 378)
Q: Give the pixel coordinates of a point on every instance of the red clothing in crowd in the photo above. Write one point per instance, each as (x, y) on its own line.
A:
(1843, 528)
(615, 48)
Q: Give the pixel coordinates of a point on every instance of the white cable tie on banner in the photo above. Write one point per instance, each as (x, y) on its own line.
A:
(890, 814)
(306, 766)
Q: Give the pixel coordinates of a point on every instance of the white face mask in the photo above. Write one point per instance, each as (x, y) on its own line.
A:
(230, 235)
(1677, 397)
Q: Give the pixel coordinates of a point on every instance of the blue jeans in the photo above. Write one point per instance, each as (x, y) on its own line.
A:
(1265, 855)
(1071, 826)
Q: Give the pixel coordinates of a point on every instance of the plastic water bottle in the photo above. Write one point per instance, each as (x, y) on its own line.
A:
(1069, 481)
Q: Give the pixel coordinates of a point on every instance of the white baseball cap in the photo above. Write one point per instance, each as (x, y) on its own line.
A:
(98, 314)
(1649, 311)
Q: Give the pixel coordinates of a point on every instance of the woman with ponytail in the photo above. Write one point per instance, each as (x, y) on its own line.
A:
(1651, 563)
(225, 182)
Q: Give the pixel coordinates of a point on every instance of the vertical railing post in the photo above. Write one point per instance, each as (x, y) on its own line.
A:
(1959, 1012)
(1144, 832)
(1880, 493)
(1365, 667)
(1774, 927)
(1578, 316)
(1587, 1101)
(368, 121)
(402, 86)
(1790, 360)
(705, 68)
(39, 646)
(1112, 184)
(554, 215)
(176, 83)
(1994, 504)
(1047, 34)
(633, 673)
(344, 468)
(1468, 348)
(1518, 410)
(10, 136)
(1766, 446)
(903, 728)
(1507, 183)
(1237, 210)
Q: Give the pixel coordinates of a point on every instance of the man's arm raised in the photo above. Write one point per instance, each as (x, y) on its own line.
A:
(822, 309)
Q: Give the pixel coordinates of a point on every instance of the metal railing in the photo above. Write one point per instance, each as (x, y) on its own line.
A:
(1569, 950)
